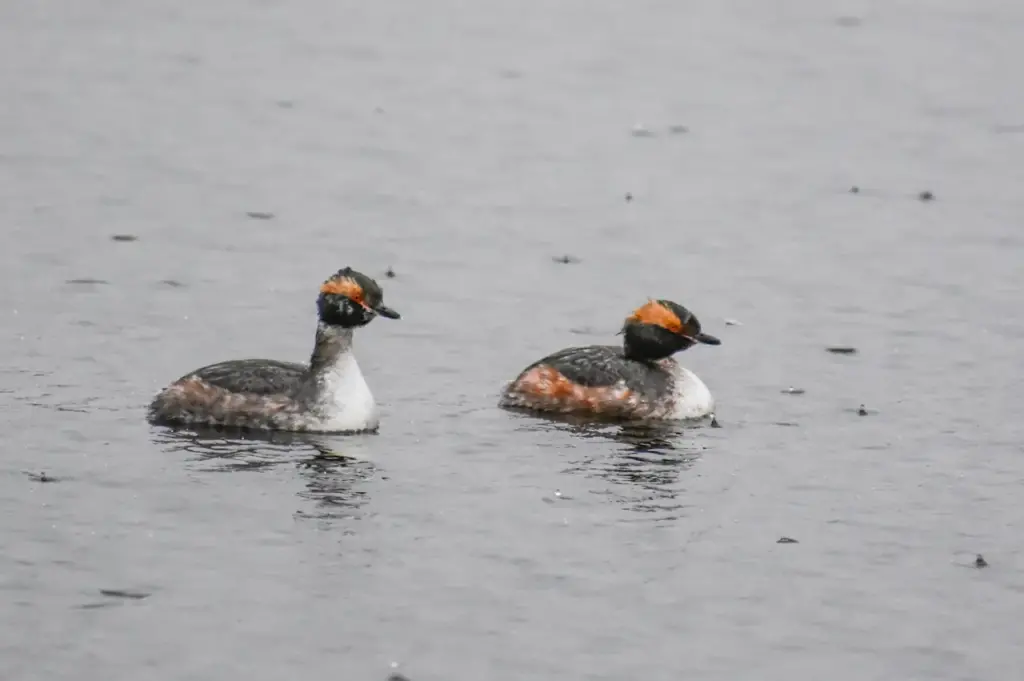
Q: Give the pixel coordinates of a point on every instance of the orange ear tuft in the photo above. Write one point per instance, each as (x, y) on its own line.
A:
(653, 312)
(344, 286)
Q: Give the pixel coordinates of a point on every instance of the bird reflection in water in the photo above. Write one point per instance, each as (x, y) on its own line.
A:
(332, 478)
(645, 465)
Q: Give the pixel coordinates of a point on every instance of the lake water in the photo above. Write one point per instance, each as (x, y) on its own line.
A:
(466, 145)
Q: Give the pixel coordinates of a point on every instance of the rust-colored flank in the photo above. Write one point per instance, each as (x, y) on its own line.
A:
(544, 387)
(196, 401)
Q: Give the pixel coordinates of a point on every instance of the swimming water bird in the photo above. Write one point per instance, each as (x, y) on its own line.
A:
(639, 381)
(328, 395)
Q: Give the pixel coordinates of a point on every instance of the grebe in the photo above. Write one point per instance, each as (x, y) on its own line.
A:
(329, 395)
(639, 381)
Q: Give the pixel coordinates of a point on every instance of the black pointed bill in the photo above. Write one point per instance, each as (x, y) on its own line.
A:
(385, 311)
(706, 339)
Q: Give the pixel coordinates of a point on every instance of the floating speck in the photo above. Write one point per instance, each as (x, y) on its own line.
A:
(640, 130)
(556, 497)
(678, 129)
(842, 350)
(629, 197)
(565, 259)
(40, 477)
(787, 540)
(733, 322)
(862, 411)
(926, 196)
(124, 237)
(87, 280)
(793, 391)
(260, 215)
(396, 676)
(173, 283)
(285, 104)
(855, 189)
(980, 561)
(714, 422)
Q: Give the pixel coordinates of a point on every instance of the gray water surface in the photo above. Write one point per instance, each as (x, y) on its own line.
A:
(466, 145)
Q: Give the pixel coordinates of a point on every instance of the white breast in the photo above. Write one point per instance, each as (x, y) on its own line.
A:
(345, 402)
(693, 399)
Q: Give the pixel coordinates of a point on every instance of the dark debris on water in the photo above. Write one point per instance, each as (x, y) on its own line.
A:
(842, 350)
(260, 215)
(125, 593)
(40, 477)
(793, 391)
(926, 196)
(787, 540)
(390, 273)
(565, 259)
(980, 562)
(124, 237)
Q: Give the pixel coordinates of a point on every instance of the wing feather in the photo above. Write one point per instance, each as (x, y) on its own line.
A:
(253, 376)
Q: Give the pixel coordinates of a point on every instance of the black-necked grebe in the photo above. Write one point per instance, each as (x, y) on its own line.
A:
(329, 395)
(639, 381)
